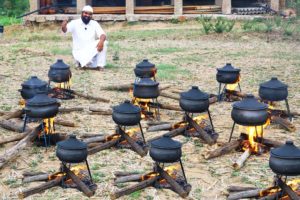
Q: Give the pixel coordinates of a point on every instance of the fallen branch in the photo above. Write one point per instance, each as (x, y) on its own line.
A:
(101, 138)
(124, 87)
(100, 111)
(122, 173)
(12, 125)
(14, 114)
(234, 188)
(236, 93)
(13, 151)
(271, 143)
(241, 160)
(169, 95)
(287, 189)
(88, 135)
(41, 188)
(226, 148)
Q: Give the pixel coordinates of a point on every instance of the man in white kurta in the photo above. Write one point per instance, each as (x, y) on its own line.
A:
(89, 40)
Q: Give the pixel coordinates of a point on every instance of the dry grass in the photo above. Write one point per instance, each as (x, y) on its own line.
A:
(185, 57)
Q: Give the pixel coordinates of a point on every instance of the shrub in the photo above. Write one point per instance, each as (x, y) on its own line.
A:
(288, 30)
(220, 25)
(13, 8)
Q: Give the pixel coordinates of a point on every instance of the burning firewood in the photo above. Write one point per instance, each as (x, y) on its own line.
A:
(234, 188)
(160, 127)
(103, 146)
(172, 133)
(121, 173)
(224, 149)
(286, 124)
(169, 95)
(41, 188)
(38, 177)
(129, 86)
(241, 160)
(65, 123)
(244, 194)
(100, 138)
(128, 178)
(13, 151)
(9, 115)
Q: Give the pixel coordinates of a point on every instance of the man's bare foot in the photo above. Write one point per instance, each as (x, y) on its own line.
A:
(99, 68)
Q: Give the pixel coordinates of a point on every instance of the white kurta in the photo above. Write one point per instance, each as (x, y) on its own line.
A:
(85, 40)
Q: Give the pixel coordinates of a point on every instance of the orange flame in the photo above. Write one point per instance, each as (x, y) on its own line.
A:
(22, 103)
(171, 170)
(49, 125)
(294, 185)
(64, 85)
(253, 133)
(233, 85)
(77, 170)
(142, 103)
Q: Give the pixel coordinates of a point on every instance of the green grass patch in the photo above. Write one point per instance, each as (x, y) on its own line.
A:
(135, 195)
(169, 72)
(111, 66)
(61, 51)
(166, 50)
(6, 21)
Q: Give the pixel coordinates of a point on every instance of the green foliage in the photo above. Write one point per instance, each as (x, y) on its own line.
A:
(174, 21)
(269, 25)
(135, 195)
(288, 29)
(13, 8)
(5, 21)
(294, 4)
(220, 25)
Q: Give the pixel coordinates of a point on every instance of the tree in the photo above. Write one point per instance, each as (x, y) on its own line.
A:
(13, 7)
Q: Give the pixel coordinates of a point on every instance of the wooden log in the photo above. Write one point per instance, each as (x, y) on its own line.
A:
(87, 96)
(224, 149)
(41, 188)
(81, 185)
(136, 147)
(27, 173)
(175, 186)
(271, 143)
(70, 109)
(12, 125)
(129, 178)
(235, 188)
(122, 173)
(39, 177)
(202, 133)
(64, 123)
(13, 151)
(124, 87)
(14, 114)
(244, 194)
(213, 100)
(103, 146)
(101, 111)
(241, 160)
(172, 133)
(168, 106)
(132, 188)
(13, 138)
(293, 195)
(284, 123)
(154, 123)
(95, 139)
(160, 127)
(169, 95)
(88, 135)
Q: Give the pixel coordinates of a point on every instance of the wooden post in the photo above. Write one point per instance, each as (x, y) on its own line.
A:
(130, 7)
(178, 7)
(226, 7)
(34, 4)
(275, 5)
(79, 5)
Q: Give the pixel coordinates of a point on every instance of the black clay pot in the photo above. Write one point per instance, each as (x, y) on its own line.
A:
(41, 106)
(146, 88)
(273, 90)
(228, 74)
(194, 100)
(59, 72)
(126, 114)
(32, 86)
(145, 69)
(285, 160)
(1, 30)
(165, 150)
(71, 150)
(249, 112)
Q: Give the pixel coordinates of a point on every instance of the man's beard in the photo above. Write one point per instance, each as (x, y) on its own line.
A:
(86, 19)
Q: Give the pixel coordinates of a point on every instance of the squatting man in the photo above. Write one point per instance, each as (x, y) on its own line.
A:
(89, 40)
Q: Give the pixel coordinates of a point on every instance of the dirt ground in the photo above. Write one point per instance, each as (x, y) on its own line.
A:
(184, 57)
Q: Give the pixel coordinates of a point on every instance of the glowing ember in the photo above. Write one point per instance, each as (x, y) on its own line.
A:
(143, 104)
(200, 119)
(293, 184)
(253, 132)
(64, 85)
(171, 170)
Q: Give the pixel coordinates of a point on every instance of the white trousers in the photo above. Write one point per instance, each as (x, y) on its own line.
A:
(99, 60)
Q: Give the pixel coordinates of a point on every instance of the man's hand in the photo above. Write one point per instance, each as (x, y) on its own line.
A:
(100, 46)
(64, 26)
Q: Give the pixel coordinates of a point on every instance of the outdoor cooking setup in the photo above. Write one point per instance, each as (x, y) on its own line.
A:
(284, 162)
(229, 77)
(164, 152)
(124, 115)
(73, 174)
